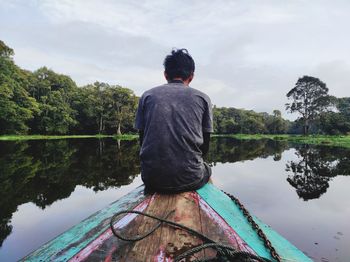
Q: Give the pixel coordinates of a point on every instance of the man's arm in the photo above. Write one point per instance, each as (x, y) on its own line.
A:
(205, 146)
(141, 137)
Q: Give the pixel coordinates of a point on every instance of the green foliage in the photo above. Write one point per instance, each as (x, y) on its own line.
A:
(234, 121)
(343, 105)
(88, 102)
(5, 51)
(47, 103)
(53, 93)
(338, 141)
(309, 99)
(103, 108)
(121, 103)
(275, 124)
(336, 123)
(16, 106)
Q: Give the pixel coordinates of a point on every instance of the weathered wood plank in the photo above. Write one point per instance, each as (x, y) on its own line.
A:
(176, 241)
(146, 249)
(168, 242)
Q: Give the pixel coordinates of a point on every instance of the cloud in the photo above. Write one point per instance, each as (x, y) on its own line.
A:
(130, 76)
(248, 54)
(336, 74)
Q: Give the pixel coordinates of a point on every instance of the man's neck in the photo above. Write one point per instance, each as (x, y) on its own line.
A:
(179, 80)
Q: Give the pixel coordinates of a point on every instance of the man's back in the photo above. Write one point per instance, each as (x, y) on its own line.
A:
(173, 118)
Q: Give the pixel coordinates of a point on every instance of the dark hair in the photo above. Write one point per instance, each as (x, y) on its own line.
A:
(179, 64)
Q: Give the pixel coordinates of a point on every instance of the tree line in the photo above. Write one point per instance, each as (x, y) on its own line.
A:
(228, 120)
(45, 102)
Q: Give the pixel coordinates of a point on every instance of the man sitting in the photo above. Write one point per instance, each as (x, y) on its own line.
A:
(174, 123)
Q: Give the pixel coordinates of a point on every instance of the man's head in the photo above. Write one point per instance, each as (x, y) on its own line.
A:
(179, 65)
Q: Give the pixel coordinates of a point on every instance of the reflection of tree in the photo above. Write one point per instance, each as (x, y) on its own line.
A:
(16, 169)
(45, 171)
(315, 168)
(116, 166)
(232, 150)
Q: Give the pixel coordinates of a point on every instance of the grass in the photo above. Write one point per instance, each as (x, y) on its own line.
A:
(342, 141)
(126, 137)
(41, 137)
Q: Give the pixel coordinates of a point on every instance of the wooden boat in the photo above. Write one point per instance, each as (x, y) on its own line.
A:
(207, 210)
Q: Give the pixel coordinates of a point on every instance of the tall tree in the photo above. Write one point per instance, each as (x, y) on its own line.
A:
(92, 111)
(309, 98)
(53, 92)
(16, 106)
(105, 108)
(275, 123)
(122, 104)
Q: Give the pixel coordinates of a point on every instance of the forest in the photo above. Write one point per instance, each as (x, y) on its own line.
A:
(48, 103)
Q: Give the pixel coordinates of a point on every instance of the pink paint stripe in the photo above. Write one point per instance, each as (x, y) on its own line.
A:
(231, 234)
(95, 244)
(161, 257)
(110, 254)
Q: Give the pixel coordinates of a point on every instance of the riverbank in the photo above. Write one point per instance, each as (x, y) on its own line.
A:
(42, 137)
(342, 141)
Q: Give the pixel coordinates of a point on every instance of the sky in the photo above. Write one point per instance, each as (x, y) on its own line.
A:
(248, 54)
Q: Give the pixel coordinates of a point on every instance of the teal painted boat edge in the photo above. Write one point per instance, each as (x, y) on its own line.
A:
(230, 212)
(287, 250)
(52, 250)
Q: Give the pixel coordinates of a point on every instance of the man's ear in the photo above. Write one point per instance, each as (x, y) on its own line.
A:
(166, 76)
(190, 78)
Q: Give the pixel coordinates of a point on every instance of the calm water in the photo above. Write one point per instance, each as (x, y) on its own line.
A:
(301, 191)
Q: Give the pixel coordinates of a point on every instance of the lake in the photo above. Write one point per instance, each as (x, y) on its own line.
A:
(302, 191)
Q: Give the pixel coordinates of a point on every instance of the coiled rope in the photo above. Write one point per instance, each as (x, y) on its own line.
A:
(224, 252)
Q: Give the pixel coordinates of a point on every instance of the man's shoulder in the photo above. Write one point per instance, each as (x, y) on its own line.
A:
(200, 93)
(153, 90)
(158, 90)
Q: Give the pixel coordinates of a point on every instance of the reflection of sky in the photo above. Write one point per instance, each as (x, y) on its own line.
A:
(32, 226)
(262, 186)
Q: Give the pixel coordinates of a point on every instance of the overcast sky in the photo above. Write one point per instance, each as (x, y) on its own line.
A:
(248, 54)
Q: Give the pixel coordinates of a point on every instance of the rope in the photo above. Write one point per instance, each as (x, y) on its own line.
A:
(224, 252)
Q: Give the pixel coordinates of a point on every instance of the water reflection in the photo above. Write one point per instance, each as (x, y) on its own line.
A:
(224, 149)
(314, 168)
(43, 172)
